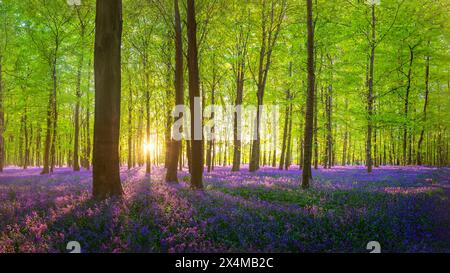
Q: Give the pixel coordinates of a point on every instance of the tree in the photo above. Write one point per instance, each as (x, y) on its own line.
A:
(47, 35)
(307, 174)
(370, 96)
(83, 15)
(270, 29)
(425, 105)
(2, 118)
(194, 100)
(240, 54)
(107, 66)
(175, 146)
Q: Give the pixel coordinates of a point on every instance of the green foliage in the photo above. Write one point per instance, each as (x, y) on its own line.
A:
(36, 33)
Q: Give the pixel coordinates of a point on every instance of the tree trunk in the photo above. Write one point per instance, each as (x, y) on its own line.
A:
(345, 144)
(370, 96)
(406, 109)
(2, 119)
(287, 162)
(108, 35)
(237, 125)
(76, 148)
(175, 150)
(427, 90)
(148, 163)
(194, 96)
(285, 131)
(140, 137)
(329, 126)
(275, 136)
(88, 120)
(315, 134)
(38, 147)
(48, 137)
(307, 174)
(211, 141)
(55, 113)
(130, 126)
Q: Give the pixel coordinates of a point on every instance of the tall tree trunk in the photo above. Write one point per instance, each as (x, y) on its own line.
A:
(26, 160)
(176, 148)
(285, 130)
(38, 147)
(427, 90)
(274, 155)
(329, 126)
(108, 35)
(301, 139)
(55, 113)
(406, 109)
(345, 144)
(140, 137)
(315, 134)
(2, 119)
(76, 148)
(225, 154)
(194, 96)
(211, 141)
(287, 162)
(48, 137)
(148, 151)
(88, 120)
(237, 123)
(130, 125)
(307, 174)
(275, 136)
(370, 97)
(254, 156)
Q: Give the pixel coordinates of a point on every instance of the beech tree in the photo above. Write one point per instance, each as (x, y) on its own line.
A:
(194, 100)
(107, 63)
(307, 174)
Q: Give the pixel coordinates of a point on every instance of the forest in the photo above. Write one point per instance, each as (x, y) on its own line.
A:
(224, 125)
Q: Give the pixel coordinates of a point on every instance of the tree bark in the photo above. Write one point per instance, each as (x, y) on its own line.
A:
(194, 92)
(175, 150)
(285, 131)
(88, 120)
(107, 65)
(307, 174)
(370, 98)
(130, 126)
(209, 161)
(315, 134)
(329, 113)
(55, 113)
(287, 161)
(2, 119)
(427, 90)
(76, 148)
(148, 163)
(406, 109)
(49, 138)
(240, 76)
(345, 144)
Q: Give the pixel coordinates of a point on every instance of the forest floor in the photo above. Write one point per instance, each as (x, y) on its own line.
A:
(406, 209)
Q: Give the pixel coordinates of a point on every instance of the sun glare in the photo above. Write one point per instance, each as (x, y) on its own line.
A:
(149, 147)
